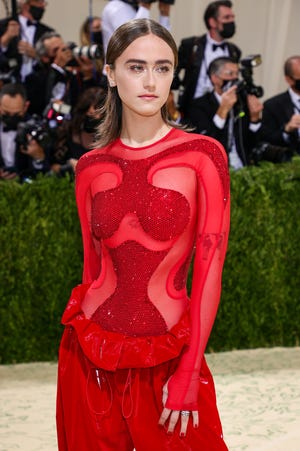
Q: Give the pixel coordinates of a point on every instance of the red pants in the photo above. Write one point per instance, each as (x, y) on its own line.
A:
(101, 410)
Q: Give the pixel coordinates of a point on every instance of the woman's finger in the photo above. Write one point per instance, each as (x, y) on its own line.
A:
(195, 415)
(164, 416)
(185, 416)
(173, 421)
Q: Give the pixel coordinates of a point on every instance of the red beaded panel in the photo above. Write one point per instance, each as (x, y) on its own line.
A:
(163, 213)
(129, 310)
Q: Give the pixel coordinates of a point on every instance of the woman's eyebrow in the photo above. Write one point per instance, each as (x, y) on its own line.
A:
(134, 60)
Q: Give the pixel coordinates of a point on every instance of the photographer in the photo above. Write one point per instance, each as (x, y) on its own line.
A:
(196, 53)
(229, 113)
(117, 12)
(18, 36)
(281, 116)
(22, 154)
(59, 75)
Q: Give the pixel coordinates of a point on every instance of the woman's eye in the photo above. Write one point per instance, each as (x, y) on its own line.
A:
(162, 69)
(137, 68)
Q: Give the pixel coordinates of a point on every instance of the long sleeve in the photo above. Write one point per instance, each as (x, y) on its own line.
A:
(211, 243)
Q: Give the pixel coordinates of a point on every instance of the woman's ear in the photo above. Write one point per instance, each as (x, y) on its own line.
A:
(110, 75)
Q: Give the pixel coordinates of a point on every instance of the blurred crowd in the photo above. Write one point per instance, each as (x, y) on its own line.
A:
(51, 91)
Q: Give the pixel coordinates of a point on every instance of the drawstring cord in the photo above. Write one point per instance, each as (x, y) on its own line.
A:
(127, 387)
(104, 384)
(101, 379)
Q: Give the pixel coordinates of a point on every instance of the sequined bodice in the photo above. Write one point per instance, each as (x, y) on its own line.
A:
(163, 213)
(141, 207)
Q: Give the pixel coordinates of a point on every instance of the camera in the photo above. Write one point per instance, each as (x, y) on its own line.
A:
(167, 2)
(246, 86)
(134, 3)
(35, 128)
(269, 152)
(55, 114)
(246, 70)
(91, 52)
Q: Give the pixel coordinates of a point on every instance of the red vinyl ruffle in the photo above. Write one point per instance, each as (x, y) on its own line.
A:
(110, 350)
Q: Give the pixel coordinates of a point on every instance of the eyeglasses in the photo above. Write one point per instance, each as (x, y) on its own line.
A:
(230, 73)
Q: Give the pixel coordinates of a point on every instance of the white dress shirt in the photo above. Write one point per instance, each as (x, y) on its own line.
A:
(8, 147)
(117, 12)
(204, 84)
(27, 34)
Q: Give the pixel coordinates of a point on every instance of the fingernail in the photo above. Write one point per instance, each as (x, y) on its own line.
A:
(196, 425)
(182, 434)
(169, 432)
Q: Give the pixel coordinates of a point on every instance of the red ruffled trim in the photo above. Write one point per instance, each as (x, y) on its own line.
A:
(110, 350)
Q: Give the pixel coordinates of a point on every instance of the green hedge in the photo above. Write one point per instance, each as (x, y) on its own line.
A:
(41, 260)
(260, 305)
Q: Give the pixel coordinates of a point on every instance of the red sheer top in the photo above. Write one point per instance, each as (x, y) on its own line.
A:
(143, 212)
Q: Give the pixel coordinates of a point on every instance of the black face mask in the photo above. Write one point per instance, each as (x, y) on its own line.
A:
(11, 122)
(228, 30)
(228, 83)
(37, 12)
(97, 37)
(90, 124)
(296, 84)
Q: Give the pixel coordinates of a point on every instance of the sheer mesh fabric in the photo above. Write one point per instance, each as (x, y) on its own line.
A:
(143, 213)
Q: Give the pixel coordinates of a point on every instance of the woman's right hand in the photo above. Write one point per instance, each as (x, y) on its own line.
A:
(171, 417)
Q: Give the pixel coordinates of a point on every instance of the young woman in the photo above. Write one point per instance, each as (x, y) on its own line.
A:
(132, 372)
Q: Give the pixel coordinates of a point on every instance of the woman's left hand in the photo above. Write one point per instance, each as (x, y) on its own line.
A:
(174, 415)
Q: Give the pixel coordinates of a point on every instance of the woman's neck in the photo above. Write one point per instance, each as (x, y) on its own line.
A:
(143, 131)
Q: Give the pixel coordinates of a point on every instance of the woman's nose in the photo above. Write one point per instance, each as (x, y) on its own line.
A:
(149, 78)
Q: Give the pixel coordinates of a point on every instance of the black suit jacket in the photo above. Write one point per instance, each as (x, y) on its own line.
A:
(190, 58)
(201, 113)
(277, 111)
(11, 55)
(23, 164)
(40, 82)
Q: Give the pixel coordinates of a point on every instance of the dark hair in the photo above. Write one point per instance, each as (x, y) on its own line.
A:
(110, 128)
(212, 10)
(13, 89)
(218, 63)
(288, 65)
(91, 96)
(40, 48)
(85, 32)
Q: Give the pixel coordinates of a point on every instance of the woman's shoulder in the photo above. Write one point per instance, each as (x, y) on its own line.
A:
(200, 143)
(91, 157)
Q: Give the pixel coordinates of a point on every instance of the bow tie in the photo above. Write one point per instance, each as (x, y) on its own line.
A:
(30, 23)
(219, 46)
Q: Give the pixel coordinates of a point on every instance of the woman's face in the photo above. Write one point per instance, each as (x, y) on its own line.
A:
(96, 25)
(143, 75)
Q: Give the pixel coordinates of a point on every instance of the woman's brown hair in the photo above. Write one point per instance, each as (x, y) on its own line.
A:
(110, 128)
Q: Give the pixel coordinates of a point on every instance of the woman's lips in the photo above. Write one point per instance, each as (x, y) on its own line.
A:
(148, 97)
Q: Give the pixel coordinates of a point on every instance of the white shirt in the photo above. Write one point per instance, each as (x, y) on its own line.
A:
(204, 84)
(116, 12)
(8, 147)
(234, 159)
(27, 34)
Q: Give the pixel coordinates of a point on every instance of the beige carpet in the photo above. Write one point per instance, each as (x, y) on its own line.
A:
(258, 397)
